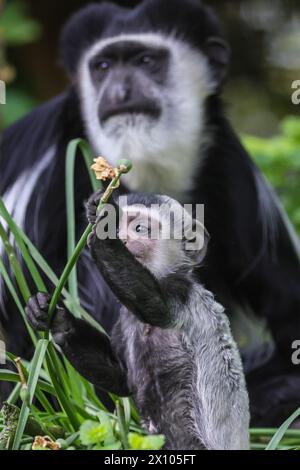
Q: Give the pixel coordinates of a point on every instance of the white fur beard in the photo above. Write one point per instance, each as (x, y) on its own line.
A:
(160, 163)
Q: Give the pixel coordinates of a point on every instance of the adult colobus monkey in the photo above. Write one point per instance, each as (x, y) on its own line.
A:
(145, 85)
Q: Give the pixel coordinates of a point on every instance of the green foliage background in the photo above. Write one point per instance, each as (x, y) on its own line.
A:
(17, 28)
(278, 158)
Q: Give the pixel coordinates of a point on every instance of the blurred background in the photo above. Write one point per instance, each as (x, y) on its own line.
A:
(264, 36)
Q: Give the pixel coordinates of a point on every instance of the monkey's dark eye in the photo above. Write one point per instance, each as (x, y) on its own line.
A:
(147, 59)
(102, 64)
(141, 228)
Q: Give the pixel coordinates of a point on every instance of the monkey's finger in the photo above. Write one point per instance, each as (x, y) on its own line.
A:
(92, 204)
(43, 300)
(90, 240)
(37, 324)
(95, 198)
(91, 213)
(91, 217)
(35, 308)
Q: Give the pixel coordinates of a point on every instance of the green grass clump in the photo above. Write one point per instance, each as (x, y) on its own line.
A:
(50, 377)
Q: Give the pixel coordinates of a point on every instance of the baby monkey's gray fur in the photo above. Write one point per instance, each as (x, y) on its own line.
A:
(172, 348)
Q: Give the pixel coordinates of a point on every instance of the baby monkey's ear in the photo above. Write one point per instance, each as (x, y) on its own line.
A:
(196, 239)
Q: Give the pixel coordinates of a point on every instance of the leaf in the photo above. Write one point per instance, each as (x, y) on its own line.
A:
(33, 377)
(274, 442)
(93, 433)
(138, 442)
(114, 446)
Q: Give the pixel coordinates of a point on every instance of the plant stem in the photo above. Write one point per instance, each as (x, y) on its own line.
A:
(20, 371)
(80, 246)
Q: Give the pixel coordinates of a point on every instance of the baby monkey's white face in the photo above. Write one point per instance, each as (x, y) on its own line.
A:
(148, 236)
(137, 231)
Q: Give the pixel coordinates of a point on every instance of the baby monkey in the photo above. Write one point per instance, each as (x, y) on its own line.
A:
(172, 348)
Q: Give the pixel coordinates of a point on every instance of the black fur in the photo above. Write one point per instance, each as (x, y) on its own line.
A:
(247, 264)
(194, 23)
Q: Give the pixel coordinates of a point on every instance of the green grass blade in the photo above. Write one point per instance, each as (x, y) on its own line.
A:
(76, 385)
(44, 266)
(60, 384)
(29, 251)
(58, 368)
(127, 411)
(91, 395)
(122, 425)
(16, 299)
(15, 265)
(88, 158)
(23, 250)
(274, 442)
(10, 376)
(33, 377)
(44, 401)
(267, 432)
(70, 202)
(122, 169)
(71, 222)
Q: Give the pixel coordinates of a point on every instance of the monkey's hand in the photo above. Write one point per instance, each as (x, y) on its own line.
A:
(110, 209)
(36, 311)
(92, 205)
(88, 350)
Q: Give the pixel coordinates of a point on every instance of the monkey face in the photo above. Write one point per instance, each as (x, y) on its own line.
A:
(156, 236)
(143, 98)
(144, 77)
(129, 75)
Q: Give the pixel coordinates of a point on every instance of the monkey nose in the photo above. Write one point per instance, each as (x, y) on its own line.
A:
(123, 93)
(116, 100)
(120, 93)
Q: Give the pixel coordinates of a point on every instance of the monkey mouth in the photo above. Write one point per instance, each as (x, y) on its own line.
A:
(150, 110)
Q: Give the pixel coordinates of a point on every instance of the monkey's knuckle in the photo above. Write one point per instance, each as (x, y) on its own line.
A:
(42, 315)
(32, 300)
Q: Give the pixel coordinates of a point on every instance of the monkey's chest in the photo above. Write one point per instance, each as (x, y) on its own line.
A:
(159, 371)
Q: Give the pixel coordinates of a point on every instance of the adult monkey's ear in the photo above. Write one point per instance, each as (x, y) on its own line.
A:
(218, 53)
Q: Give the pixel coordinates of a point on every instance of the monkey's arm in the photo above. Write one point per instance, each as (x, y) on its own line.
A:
(131, 282)
(88, 350)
